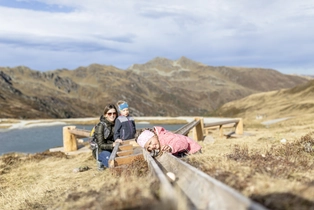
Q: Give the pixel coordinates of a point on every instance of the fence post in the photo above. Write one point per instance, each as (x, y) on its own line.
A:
(69, 139)
(239, 127)
(221, 131)
(198, 129)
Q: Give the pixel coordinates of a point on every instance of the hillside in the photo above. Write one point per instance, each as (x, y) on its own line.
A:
(293, 102)
(160, 87)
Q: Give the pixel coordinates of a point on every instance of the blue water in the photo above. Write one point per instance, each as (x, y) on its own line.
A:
(39, 139)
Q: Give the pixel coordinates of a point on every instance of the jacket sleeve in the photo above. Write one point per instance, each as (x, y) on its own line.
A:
(177, 142)
(117, 128)
(102, 133)
(99, 131)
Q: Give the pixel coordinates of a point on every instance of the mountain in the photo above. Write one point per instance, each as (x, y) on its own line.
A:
(291, 102)
(160, 87)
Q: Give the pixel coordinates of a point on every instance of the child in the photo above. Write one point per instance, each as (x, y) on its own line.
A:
(159, 138)
(125, 124)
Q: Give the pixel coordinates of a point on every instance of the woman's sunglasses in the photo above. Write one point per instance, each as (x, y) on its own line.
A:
(111, 113)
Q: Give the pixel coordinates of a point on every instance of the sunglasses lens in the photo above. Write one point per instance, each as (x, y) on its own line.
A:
(111, 113)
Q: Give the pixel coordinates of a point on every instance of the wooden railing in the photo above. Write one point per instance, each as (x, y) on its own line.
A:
(70, 136)
(221, 124)
(198, 127)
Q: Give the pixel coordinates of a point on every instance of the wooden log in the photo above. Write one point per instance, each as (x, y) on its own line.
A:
(69, 139)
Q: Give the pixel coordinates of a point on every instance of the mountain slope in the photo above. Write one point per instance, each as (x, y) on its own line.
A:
(291, 102)
(160, 87)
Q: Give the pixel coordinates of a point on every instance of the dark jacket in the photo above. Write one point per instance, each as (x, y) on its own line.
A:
(124, 128)
(104, 131)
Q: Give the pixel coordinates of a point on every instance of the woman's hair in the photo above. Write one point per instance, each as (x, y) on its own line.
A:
(110, 106)
(138, 133)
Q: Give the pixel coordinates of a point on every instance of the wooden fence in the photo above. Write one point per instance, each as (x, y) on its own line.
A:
(71, 134)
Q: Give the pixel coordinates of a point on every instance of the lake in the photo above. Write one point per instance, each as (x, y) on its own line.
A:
(42, 138)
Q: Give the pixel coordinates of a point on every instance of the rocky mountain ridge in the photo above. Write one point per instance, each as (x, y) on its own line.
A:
(160, 87)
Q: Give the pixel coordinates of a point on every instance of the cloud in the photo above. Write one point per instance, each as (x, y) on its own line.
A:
(63, 33)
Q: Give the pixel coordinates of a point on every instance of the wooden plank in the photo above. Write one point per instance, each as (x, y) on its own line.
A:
(184, 130)
(204, 191)
(221, 122)
(126, 147)
(231, 125)
(113, 155)
(124, 153)
(168, 195)
(118, 161)
(80, 133)
(129, 141)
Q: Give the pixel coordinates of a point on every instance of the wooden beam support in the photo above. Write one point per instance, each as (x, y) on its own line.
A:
(69, 139)
(198, 134)
(118, 161)
(239, 127)
(221, 131)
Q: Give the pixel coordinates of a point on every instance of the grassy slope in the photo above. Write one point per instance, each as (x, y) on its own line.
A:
(279, 178)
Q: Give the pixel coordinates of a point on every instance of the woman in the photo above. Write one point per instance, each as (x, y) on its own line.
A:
(103, 135)
(159, 139)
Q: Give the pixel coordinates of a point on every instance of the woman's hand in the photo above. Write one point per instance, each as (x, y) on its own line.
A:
(116, 141)
(166, 148)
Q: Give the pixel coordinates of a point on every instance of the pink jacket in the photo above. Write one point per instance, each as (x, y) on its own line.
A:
(178, 142)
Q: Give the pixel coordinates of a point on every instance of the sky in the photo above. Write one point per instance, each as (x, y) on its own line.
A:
(47, 35)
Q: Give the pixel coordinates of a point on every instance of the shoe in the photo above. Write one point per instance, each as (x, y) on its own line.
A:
(81, 169)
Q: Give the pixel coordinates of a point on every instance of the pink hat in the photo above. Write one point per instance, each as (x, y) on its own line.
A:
(144, 137)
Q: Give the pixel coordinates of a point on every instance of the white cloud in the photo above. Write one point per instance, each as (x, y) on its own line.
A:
(51, 34)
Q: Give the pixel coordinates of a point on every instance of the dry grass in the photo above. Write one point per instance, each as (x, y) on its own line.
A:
(275, 174)
(47, 181)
